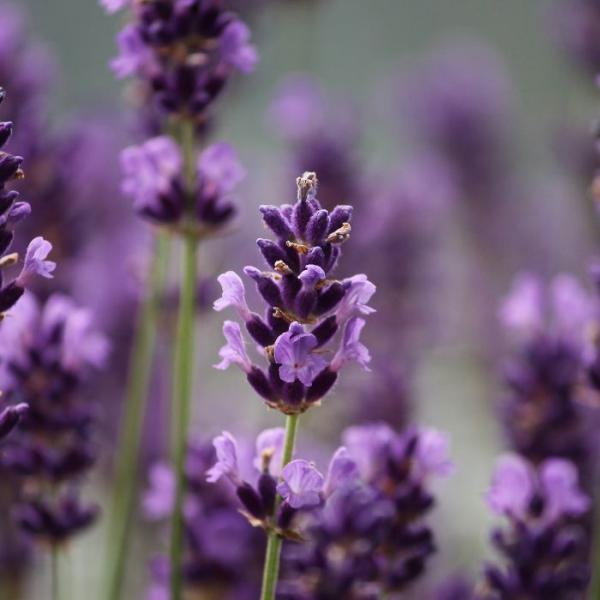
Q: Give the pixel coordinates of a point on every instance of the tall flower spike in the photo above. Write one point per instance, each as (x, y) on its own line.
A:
(306, 306)
(543, 545)
(182, 53)
(47, 355)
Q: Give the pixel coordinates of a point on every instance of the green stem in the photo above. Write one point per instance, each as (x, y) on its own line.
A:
(273, 552)
(182, 393)
(123, 500)
(55, 572)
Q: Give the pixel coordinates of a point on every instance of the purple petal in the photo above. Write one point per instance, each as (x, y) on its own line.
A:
(234, 295)
(227, 462)
(342, 472)
(234, 351)
(219, 167)
(559, 480)
(351, 348)
(236, 49)
(159, 499)
(522, 312)
(301, 484)
(431, 456)
(35, 261)
(513, 487)
(358, 293)
(269, 444)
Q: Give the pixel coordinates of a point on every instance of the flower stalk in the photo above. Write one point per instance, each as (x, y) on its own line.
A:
(182, 386)
(144, 342)
(273, 552)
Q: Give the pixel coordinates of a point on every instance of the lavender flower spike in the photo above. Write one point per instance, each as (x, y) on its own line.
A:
(301, 484)
(307, 307)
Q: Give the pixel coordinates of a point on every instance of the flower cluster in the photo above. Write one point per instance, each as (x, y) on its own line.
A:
(306, 306)
(541, 411)
(47, 353)
(154, 180)
(370, 538)
(543, 546)
(212, 562)
(182, 51)
(298, 484)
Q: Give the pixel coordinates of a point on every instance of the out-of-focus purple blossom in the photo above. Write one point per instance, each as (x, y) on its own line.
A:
(182, 53)
(543, 544)
(47, 355)
(306, 305)
(369, 537)
(459, 100)
(153, 179)
(576, 26)
(321, 139)
(222, 554)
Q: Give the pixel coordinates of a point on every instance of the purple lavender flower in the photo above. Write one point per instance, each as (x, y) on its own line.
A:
(222, 553)
(301, 484)
(226, 448)
(544, 546)
(369, 537)
(182, 53)
(306, 306)
(153, 179)
(549, 328)
(47, 354)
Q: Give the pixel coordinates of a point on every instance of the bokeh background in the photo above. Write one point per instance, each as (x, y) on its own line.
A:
(360, 52)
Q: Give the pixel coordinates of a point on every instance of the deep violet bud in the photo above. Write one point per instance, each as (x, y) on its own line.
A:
(301, 484)
(9, 418)
(276, 222)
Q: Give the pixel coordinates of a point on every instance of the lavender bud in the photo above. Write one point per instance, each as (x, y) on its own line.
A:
(251, 500)
(267, 488)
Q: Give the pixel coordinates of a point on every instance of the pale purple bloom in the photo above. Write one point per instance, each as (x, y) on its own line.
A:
(431, 455)
(351, 348)
(573, 309)
(234, 295)
(312, 275)
(113, 6)
(17, 212)
(512, 487)
(82, 344)
(269, 444)
(301, 484)
(234, 351)
(149, 170)
(35, 261)
(219, 166)
(360, 290)
(343, 471)
(134, 55)
(293, 353)
(366, 444)
(236, 49)
(522, 312)
(227, 461)
(559, 481)
(159, 499)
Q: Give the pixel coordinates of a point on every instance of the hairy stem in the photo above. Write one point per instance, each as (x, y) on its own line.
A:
(127, 457)
(273, 552)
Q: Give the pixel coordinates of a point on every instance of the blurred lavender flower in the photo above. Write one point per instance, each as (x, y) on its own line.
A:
(549, 329)
(576, 26)
(543, 547)
(305, 306)
(370, 538)
(222, 554)
(182, 52)
(153, 178)
(321, 140)
(47, 355)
